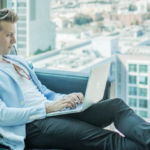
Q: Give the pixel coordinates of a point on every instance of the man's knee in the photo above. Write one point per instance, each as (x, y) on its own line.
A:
(118, 101)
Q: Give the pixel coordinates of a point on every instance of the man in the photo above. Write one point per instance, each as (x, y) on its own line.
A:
(24, 103)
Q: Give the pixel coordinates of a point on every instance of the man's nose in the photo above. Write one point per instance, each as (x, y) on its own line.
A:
(13, 40)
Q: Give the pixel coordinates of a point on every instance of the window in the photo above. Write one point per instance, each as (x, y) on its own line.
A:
(143, 92)
(132, 79)
(21, 11)
(32, 10)
(132, 68)
(143, 80)
(132, 90)
(143, 103)
(143, 114)
(22, 18)
(21, 45)
(119, 89)
(21, 32)
(21, 25)
(119, 78)
(132, 102)
(119, 66)
(21, 4)
(143, 69)
(112, 69)
(23, 39)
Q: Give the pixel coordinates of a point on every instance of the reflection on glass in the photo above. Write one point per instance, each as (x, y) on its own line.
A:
(143, 80)
(132, 68)
(132, 102)
(132, 90)
(132, 79)
(143, 68)
(143, 103)
(143, 114)
(143, 92)
(119, 89)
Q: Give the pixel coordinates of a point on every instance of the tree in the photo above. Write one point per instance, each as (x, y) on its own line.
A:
(39, 51)
(82, 19)
(132, 7)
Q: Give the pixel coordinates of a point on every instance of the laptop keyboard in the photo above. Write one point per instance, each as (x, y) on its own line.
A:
(79, 106)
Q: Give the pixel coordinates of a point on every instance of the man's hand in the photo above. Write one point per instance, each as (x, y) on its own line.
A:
(68, 101)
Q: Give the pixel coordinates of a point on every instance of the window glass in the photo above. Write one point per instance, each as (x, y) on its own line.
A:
(21, 39)
(132, 102)
(119, 89)
(21, 4)
(143, 68)
(143, 114)
(21, 45)
(21, 25)
(22, 18)
(119, 66)
(143, 80)
(21, 11)
(119, 78)
(132, 68)
(143, 103)
(23, 32)
(132, 79)
(132, 90)
(32, 10)
(112, 69)
(143, 92)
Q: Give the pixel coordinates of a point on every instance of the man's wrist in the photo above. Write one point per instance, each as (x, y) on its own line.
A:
(46, 107)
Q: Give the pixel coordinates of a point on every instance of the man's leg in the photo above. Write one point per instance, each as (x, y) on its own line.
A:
(126, 121)
(64, 132)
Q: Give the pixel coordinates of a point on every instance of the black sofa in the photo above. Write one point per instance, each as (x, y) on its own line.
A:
(55, 80)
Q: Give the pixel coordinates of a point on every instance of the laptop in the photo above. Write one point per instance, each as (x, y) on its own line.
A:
(94, 90)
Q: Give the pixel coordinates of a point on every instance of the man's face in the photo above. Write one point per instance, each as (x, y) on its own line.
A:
(7, 37)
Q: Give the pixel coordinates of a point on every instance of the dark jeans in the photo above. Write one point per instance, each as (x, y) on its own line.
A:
(84, 131)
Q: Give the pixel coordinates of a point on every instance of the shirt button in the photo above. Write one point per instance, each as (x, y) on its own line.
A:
(22, 102)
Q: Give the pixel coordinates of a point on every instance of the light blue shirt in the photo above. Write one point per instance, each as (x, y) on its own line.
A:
(13, 112)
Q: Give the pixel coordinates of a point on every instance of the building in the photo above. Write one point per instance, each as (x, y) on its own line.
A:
(127, 19)
(34, 28)
(133, 76)
(106, 46)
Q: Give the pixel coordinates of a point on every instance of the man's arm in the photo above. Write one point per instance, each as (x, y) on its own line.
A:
(16, 116)
(51, 95)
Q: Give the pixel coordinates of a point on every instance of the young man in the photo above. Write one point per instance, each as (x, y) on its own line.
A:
(24, 103)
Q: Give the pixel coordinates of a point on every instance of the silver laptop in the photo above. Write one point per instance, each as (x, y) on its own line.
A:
(94, 91)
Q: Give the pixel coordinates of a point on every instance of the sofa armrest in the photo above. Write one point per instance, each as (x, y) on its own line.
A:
(67, 82)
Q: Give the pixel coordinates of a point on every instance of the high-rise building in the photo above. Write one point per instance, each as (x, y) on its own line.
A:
(133, 74)
(34, 29)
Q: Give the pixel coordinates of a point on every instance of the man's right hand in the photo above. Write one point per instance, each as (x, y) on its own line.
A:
(68, 101)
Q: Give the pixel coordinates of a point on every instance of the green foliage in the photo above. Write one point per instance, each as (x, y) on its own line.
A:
(82, 19)
(132, 7)
(39, 51)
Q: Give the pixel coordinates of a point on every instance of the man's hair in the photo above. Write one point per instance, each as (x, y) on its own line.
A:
(8, 16)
